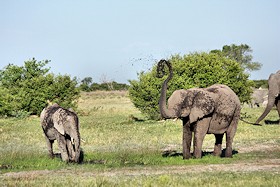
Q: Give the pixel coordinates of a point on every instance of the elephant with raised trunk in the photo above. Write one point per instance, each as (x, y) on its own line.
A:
(62, 125)
(213, 110)
(273, 95)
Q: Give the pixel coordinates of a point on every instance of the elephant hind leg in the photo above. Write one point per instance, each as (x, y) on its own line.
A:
(218, 145)
(50, 147)
(230, 133)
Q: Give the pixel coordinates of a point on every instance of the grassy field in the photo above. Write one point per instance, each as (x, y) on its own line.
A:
(122, 148)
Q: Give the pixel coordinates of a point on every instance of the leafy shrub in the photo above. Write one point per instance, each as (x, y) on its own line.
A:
(193, 70)
(25, 90)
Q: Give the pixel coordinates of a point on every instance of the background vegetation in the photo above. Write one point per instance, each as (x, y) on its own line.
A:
(24, 90)
(88, 85)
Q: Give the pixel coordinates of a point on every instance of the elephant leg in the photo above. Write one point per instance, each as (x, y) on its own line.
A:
(187, 138)
(218, 145)
(229, 136)
(277, 102)
(70, 149)
(50, 146)
(199, 134)
(61, 140)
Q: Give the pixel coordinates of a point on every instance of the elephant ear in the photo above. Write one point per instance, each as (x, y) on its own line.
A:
(42, 115)
(58, 125)
(203, 105)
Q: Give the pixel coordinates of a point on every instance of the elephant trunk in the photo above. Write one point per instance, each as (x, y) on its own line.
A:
(164, 111)
(271, 102)
(77, 144)
(76, 141)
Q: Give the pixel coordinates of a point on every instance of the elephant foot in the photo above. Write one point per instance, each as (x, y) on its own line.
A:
(217, 150)
(228, 153)
(51, 155)
(187, 156)
(216, 153)
(197, 154)
(65, 157)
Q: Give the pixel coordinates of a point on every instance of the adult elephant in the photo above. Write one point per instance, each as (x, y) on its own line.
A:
(62, 125)
(273, 95)
(213, 110)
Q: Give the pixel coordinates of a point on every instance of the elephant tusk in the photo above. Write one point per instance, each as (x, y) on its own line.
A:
(72, 141)
(175, 119)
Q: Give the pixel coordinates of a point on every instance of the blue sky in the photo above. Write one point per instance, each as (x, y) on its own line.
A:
(116, 39)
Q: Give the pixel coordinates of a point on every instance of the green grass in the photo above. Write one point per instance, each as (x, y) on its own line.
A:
(201, 179)
(117, 137)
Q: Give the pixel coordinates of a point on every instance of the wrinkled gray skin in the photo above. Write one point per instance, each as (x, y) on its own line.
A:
(213, 110)
(62, 125)
(273, 95)
(259, 96)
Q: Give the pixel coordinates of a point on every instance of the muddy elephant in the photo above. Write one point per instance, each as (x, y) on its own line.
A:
(213, 110)
(273, 95)
(62, 125)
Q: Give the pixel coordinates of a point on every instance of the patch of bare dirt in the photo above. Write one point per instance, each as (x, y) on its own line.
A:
(272, 165)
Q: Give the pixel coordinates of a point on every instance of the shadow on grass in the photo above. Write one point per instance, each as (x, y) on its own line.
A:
(81, 159)
(174, 153)
(270, 122)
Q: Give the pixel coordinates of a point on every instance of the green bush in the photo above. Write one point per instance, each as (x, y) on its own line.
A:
(193, 70)
(26, 90)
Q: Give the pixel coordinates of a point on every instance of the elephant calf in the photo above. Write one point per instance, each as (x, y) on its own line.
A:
(62, 125)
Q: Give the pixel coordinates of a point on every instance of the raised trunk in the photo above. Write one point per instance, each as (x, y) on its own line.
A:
(164, 111)
(271, 102)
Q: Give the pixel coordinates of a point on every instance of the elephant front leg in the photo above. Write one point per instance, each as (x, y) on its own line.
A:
(200, 131)
(218, 145)
(70, 149)
(277, 102)
(187, 138)
(61, 140)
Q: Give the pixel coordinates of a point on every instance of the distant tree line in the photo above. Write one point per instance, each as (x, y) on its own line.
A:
(261, 83)
(88, 85)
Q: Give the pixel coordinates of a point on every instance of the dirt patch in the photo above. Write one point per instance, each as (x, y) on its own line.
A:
(271, 165)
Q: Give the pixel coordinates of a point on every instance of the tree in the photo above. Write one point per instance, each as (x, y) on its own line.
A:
(26, 89)
(240, 53)
(86, 84)
(193, 70)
